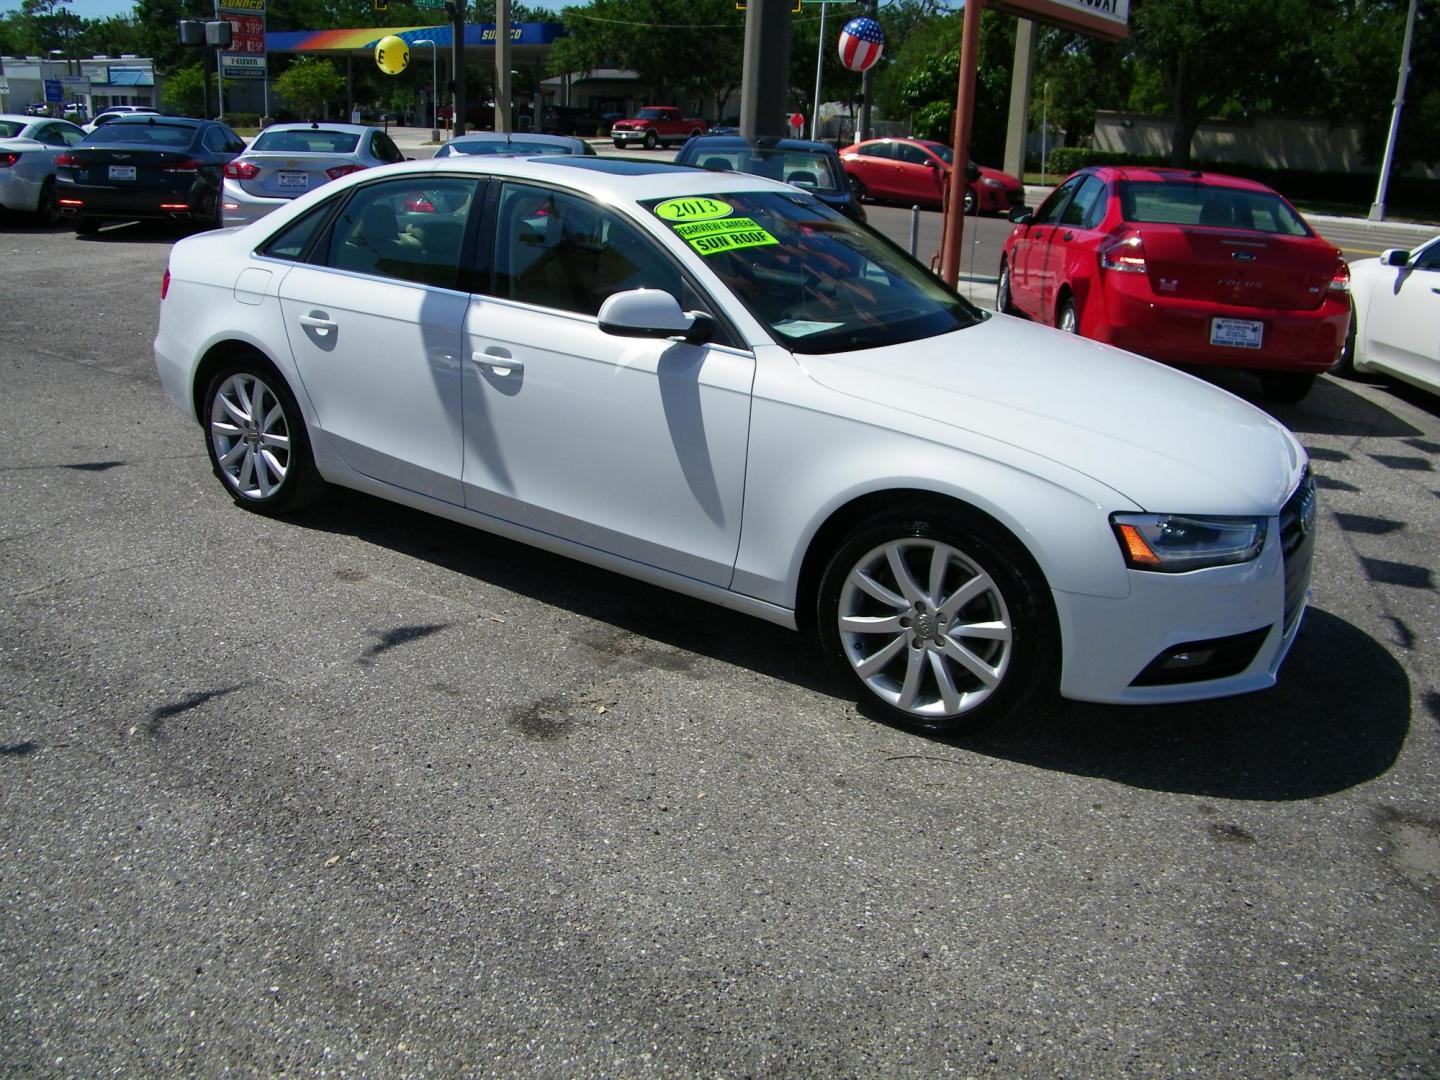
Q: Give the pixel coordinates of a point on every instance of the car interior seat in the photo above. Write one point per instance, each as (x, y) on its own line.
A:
(719, 164)
(803, 178)
(1219, 211)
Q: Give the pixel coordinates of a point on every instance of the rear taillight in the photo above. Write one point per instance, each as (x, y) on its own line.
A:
(1125, 256)
(8, 159)
(342, 170)
(165, 284)
(419, 204)
(63, 161)
(1340, 283)
(241, 170)
(188, 165)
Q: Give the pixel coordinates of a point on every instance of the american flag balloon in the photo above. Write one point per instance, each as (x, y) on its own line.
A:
(861, 43)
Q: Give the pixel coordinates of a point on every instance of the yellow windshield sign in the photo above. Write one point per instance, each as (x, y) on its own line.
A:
(693, 208)
(713, 237)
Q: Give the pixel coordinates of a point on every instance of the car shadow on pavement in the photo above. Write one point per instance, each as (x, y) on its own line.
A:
(1338, 717)
(1331, 408)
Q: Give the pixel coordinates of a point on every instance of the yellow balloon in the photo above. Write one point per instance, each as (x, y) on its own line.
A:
(392, 54)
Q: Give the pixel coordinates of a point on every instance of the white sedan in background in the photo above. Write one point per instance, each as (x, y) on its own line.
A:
(715, 383)
(28, 147)
(1396, 326)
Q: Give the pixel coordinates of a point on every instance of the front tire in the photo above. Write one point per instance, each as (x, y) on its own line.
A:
(940, 621)
(972, 203)
(1003, 303)
(1344, 365)
(651, 140)
(858, 191)
(256, 438)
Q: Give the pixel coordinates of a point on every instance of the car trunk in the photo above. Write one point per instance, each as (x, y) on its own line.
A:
(285, 175)
(1235, 266)
(123, 167)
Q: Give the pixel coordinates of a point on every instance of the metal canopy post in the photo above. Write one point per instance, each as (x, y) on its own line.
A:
(964, 109)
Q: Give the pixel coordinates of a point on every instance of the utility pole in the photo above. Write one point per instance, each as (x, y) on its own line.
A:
(456, 8)
(502, 66)
(867, 88)
(1377, 211)
(765, 77)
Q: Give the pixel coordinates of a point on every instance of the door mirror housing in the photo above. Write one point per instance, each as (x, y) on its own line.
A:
(1394, 257)
(653, 313)
(972, 171)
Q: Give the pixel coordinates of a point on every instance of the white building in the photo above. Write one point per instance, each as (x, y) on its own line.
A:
(96, 83)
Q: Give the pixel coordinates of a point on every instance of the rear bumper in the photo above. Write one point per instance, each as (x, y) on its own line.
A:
(146, 203)
(241, 208)
(1131, 316)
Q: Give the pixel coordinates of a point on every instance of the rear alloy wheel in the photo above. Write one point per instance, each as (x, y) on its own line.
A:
(1285, 387)
(1067, 318)
(651, 140)
(257, 441)
(47, 210)
(1003, 303)
(940, 622)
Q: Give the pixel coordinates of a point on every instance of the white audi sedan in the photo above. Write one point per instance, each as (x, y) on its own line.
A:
(715, 383)
(1395, 328)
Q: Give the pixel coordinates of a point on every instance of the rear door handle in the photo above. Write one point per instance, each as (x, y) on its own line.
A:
(498, 360)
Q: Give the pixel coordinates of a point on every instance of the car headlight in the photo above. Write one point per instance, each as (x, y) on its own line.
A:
(990, 181)
(1175, 543)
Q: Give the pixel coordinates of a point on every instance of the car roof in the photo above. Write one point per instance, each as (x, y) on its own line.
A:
(763, 142)
(1159, 174)
(516, 136)
(311, 125)
(151, 118)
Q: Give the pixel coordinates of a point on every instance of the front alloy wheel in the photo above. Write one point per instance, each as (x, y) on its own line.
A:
(257, 441)
(942, 628)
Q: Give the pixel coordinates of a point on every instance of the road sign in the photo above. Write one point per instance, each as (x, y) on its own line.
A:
(4, 86)
(54, 91)
(242, 66)
(430, 3)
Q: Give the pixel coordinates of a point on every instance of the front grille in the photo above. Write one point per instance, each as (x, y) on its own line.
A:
(1297, 544)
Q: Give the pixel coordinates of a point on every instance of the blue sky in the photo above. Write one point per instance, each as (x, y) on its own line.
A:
(103, 9)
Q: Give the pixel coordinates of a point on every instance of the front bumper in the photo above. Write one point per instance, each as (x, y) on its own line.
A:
(1132, 316)
(1113, 646)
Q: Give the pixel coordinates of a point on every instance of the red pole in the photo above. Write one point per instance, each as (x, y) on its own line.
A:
(964, 115)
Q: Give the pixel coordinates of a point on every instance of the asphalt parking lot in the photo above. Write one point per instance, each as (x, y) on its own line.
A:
(363, 793)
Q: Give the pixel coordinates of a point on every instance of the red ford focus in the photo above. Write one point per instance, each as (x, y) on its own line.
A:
(917, 171)
(1184, 267)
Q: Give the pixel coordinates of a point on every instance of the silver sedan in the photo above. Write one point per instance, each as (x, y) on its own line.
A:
(288, 160)
(28, 147)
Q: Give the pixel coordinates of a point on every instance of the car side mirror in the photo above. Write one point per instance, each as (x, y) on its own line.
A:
(1022, 215)
(1394, 257)
(653, 313)
(972, 171)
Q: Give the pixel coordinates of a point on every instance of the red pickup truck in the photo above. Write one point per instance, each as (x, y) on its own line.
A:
(654, 125)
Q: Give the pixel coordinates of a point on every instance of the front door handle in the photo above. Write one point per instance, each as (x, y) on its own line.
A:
(1068, 235)
(319, 322)
(498, 360)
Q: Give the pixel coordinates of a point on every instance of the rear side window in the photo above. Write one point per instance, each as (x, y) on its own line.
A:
(1186, 203)
(409, 229)
(294, 240)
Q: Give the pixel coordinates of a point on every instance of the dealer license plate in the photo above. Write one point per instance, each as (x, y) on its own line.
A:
(294, 181)
(122, 172)
(1237, 333)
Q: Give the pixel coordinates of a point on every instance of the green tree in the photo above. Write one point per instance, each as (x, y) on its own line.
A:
(184, 92)
(309, 85)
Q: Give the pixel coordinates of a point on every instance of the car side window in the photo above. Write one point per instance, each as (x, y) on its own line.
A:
(911, 155)
(1429, 259)
(1051, 208)
(234, 144)
(214, 141)
(558, 250)
(411, 229)
(294, 240)
(1085, 198)
(877, 150)
(72, 136)
(385, 149)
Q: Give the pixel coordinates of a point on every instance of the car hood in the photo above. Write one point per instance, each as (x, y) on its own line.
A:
(1165, 440)
(1003, 178)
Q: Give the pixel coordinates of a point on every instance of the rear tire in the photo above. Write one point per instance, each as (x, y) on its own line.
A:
(940, 621)
(1285, 387)
(47, 210)
(1067, 318)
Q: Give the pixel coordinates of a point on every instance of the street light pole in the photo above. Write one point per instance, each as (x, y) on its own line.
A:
(434, 87)
(1377, 209)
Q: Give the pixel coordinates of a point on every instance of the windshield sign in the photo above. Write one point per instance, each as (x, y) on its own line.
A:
(817, 280)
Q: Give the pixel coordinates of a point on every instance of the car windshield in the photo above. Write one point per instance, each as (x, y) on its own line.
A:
(173, 136)
(805, 168)
(1176, 202)
(817, 280)
(9, 129)
(307, 141)
(506, 146)
(652, 114)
